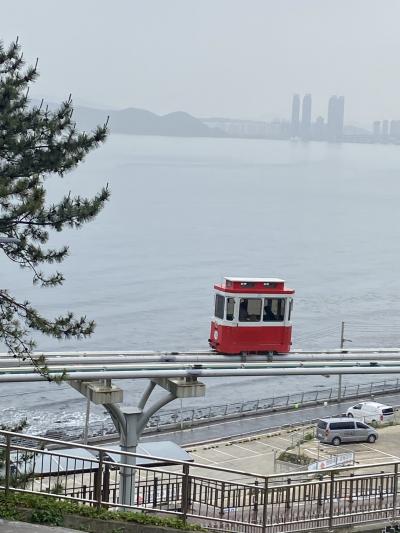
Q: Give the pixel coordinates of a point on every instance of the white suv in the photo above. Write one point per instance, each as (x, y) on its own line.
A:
(371, 412)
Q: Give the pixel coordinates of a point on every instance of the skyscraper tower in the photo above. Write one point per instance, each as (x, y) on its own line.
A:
(335, 118)
(331, 126)
(306, 117)
(339, 117)
(295, 124)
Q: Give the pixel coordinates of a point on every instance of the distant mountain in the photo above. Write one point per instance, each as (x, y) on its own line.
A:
(141, 122)
(136, 121)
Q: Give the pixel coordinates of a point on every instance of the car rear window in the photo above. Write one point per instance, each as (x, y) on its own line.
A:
(322, 424)
(388, 411)
(341, 425)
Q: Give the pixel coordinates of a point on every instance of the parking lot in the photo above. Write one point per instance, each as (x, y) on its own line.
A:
(258, 454)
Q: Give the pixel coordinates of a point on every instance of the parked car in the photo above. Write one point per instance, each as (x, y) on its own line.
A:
(371, 412)
(339, 430)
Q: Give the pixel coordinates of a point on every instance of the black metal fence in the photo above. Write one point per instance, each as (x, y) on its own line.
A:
(213, 497)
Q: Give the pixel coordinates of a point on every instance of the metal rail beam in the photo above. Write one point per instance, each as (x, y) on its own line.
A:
(144, 361)
(205, 366)
(206, 354)
(202, 373)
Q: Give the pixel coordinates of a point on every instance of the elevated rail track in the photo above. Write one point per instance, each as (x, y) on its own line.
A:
(81, 366)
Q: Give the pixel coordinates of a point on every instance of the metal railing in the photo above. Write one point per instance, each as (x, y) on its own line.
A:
(186, 418)
(214, 497)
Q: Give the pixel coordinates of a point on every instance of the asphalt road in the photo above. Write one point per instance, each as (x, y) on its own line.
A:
(258, 423)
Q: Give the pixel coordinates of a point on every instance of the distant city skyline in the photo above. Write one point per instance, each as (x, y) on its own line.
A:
(225, 58)
(307, 128)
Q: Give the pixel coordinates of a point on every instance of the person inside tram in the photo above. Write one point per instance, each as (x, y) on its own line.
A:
(269, 315)
(243, 313)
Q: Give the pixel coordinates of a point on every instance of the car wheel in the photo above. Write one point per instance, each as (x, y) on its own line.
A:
(336, 441)
(371, 438)
(350, 415)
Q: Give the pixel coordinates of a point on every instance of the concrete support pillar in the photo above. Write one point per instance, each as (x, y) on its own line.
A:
(131, 421)
(129, 441)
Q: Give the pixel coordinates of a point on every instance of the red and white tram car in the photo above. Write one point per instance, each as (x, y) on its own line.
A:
(252, 315)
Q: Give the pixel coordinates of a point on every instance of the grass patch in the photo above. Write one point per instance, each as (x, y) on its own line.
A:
(51, 512)
(291, 457)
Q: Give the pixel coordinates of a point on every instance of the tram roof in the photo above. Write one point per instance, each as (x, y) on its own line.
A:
(255, 280)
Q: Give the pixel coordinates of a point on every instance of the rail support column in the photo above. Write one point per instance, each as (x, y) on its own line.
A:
(131, 421)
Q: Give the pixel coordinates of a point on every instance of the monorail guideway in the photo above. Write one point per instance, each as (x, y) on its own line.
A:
(251, 326)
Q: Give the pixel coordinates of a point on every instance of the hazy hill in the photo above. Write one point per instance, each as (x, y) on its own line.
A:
(141, 122)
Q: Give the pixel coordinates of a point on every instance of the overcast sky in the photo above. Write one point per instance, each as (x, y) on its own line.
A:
(240, 58)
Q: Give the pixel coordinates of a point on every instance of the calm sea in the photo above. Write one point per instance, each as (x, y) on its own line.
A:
(186, 212)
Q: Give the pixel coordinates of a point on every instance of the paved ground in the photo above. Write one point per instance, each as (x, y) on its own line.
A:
(22, 527)
(256, 454)
(253, 424)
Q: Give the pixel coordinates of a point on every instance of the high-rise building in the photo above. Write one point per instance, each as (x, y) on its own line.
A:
(385, 128)
(319, 129)
(395, 129)
(376, 129)
(335, 118)
(340, 116)
(295, 124)
(306, 117)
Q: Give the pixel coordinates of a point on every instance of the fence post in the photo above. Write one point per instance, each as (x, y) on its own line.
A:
(331, 492)
(99, 480)
(155, 491)
(395, 488)
(265, 508)
(8, 463)
(287, 504)
(222, 503)
(106, 484)
(351, 491)
(185, 491)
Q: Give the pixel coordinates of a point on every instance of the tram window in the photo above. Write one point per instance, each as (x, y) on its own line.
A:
(219, 306)
(230, 308)
(274, 310)
(290, 308)
(250, 310)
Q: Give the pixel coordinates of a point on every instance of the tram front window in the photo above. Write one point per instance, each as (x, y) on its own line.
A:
(230, 308)
(274, 310)
(219, 306)
(250, 310)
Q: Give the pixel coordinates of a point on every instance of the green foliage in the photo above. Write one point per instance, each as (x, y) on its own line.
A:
(8, 510)
(308, 436)
(47, 510)
(297, 459)
(37, 144)
(52, 517)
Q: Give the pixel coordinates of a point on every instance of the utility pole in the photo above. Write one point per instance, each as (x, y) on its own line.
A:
(339, 395)
(342, 341)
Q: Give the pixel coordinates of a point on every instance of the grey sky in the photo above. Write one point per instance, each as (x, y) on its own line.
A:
(241, 58)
